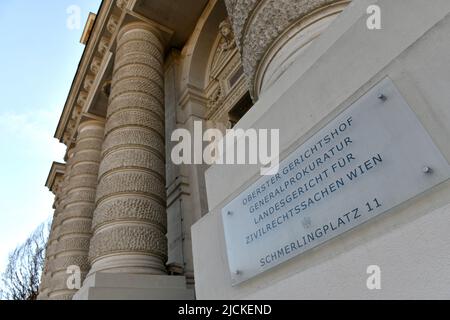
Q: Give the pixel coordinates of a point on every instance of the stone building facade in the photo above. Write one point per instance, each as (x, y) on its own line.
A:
(139, 227)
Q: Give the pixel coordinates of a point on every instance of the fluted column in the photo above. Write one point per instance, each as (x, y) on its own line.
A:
(73, 232)
(129, 223)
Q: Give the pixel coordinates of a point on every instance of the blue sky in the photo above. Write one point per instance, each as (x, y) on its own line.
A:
(38, 59)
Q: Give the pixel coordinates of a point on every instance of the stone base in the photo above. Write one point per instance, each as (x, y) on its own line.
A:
(123, 286)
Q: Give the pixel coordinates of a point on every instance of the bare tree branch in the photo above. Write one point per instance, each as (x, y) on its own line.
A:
(22, 275)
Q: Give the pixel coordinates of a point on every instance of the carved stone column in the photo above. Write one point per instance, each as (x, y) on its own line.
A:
(52, 243)
(55, 186)
(73, 231)
(46, 278)
(271, 33)
(129, 223)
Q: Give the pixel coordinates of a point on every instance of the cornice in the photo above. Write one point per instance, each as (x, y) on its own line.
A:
(100, 40)
(88, 28)
(95, 66)
(56, 173)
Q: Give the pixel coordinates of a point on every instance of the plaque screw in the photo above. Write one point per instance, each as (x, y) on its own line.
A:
(230, 213)
(427, 169)
(237, 272)
(382, 97)
(306, 222)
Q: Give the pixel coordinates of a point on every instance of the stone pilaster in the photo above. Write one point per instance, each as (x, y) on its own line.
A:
(73, 229)
(129, 224)
(259, 24)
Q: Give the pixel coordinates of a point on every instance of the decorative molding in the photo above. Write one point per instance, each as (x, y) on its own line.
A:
(123, 4)
(224, 64)
(192, 93)
(88, 28)
(55, 176)
(112, 24)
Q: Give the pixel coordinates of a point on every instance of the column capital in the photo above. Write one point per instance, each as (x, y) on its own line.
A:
(90, 123)
(133, 20)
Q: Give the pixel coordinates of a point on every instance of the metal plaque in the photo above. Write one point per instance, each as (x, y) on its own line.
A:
(372, 157)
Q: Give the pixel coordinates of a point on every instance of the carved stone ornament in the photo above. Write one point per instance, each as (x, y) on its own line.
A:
(227, 37)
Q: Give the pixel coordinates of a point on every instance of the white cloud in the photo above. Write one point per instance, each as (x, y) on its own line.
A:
(28, 149)
(35, 128)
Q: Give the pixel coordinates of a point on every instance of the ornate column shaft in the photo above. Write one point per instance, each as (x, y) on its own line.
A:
(269, 33)
(52, 243)
(129, 223)
(46, 277)
(73, 232)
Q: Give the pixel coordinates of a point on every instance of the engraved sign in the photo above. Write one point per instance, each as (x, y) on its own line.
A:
(372, 157)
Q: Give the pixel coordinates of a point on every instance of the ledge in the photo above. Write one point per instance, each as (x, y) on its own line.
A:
(57, 170)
